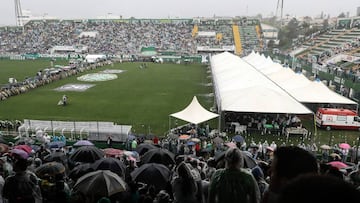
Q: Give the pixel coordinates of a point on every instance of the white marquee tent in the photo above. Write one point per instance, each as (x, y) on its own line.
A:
(195, 113)
(295, 84)
(240, 87)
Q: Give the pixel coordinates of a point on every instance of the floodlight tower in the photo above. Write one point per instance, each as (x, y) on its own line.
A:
(18, 13)
(280, 6)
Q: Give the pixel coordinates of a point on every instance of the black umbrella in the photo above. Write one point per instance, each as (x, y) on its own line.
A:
(249, 162)
(112, 164)
(97, 184)
(56, 156)
(86, 154)
(152, 174)
(2, 139)
(143, 148)
(161, 156)
(80, 170)
(50, 169)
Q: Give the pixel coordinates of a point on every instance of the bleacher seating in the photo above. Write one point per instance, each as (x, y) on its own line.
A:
(237, 39)
(127, 36)
(332, 42)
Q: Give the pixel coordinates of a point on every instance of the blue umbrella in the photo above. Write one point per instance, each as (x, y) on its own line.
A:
(238, 138)
(56, 144)
(190, 143)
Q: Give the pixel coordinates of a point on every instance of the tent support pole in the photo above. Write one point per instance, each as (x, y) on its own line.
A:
(315, 129)
(219, 123)
(169, 123)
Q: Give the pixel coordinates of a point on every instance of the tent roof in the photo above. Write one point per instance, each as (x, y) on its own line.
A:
(242, 88)
(194, 113)
(297, 85)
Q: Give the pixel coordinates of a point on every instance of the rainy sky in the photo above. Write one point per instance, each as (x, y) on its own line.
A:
(80, 9)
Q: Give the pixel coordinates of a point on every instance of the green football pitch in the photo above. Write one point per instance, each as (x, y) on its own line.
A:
(143, 98)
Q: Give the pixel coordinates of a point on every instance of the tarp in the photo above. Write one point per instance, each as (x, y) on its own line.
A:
(295, 84)
(195, 113)
(240, 87)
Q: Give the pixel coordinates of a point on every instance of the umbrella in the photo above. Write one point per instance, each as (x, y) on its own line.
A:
(112, 164)
(190, 143)
(101, 183)
(238, 138)
(25, 148)
(249, 161)
(148, 141)
(131, 137)
(86, 154)
(184, 137)
(56, 144)
(35, 147)
(195, 139)
(132, 155)
(161, 156)
(113, 152)
(2, 139)
(56, 156)
(337, 164)
(49, 169)
(19, 153)
(324, 146)
(335, 156)
(80, 170)
(143, 148)
(344, 146)
(218, 140)
(231, 144)
(4, 148)
(83, 143)
(152, 174)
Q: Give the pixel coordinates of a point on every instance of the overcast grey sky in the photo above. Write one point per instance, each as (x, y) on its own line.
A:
(66, 9)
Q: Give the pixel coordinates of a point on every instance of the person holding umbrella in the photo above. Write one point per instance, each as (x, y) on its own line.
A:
(54, 189)
(233, 184)
(184, 186)
(23, 185)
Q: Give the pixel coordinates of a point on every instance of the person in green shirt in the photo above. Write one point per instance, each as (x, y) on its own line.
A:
(133, 145)
(233, 183)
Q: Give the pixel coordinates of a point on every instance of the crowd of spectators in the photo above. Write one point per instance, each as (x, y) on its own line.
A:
(112, 37)
(44, 77)
(210, 171)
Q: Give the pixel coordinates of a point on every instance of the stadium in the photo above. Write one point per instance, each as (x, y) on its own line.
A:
(202, 86)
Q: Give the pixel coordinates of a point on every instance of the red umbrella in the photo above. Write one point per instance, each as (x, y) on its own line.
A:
(344, 146)
(24, 147)
(113, 152)
(184, 137)
(338, 164)
(231, 144)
